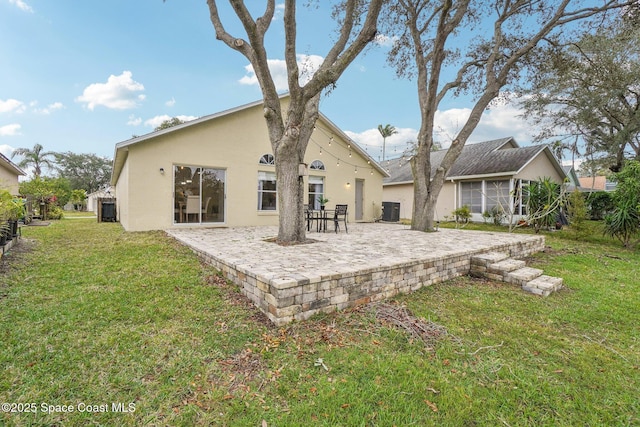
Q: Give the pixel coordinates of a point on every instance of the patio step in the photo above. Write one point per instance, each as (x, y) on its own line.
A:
(499, 266)
(543, 285)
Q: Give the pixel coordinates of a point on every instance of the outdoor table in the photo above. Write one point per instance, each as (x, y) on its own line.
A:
(321, 217)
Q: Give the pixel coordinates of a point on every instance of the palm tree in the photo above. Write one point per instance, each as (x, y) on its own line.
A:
(386, 131)
(34, 157)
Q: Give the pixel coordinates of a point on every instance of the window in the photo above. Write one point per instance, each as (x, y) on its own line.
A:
(497, 194)
(267, 159)
(317, 165)
(471, 195)
(316, 191)
(267, 194)
(520, 196)
(199, 194)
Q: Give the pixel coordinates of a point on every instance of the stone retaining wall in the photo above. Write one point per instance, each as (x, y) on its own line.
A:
(297, 298)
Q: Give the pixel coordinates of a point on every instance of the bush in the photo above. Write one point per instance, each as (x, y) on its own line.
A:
(462, 215)
(55, 212)
(577, 209)
(599, 204)
(624, 222)
(497, 215)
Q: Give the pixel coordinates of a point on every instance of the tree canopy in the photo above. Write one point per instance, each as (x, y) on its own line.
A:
(34, 157)
(87, 172)
(588, 93)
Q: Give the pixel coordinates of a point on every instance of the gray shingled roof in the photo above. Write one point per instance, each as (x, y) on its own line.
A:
(484, 158)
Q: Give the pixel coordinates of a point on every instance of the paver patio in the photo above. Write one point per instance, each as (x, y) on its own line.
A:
(371, 262)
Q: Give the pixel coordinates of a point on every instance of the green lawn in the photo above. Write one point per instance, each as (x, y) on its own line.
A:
(94, 316)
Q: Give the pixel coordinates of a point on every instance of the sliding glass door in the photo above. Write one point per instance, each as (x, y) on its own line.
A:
(199, 195)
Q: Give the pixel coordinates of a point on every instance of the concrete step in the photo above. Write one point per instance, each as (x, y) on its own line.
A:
(543, 285)
(480, 263)
(506, 266)
(488, 258)
(523, 275)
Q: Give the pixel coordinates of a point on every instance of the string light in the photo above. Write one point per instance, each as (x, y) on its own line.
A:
(348, 142)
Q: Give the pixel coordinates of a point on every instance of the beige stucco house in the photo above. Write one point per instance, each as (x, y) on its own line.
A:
(219, 170)
(9, 173)
(484, 175)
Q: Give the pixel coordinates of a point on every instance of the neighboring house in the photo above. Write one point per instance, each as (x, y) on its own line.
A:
(597, 183)
(485, 174)
(9, 173)
(572, 177)
(92, 198)
(219, 170)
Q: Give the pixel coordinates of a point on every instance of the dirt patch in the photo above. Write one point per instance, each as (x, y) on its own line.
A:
(233, 295)
(15, 256)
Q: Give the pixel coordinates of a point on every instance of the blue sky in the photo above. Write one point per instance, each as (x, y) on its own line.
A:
(81, 76)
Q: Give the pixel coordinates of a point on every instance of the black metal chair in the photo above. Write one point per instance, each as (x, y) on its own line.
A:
(340, 214)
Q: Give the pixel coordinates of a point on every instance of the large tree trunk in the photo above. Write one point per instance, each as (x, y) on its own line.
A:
(289, 154)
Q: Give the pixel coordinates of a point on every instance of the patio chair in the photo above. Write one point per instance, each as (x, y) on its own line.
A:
(340, 214)
(193, 207)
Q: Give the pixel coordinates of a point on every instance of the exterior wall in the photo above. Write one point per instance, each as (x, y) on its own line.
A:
(403, 194)
(447, 200)
(123, 202)
(234, 143)
(400, 193)
(8, 180)
(540, 167)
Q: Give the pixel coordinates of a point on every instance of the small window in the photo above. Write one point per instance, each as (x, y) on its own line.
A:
(267, 159)
(267, 194)
(317, 165)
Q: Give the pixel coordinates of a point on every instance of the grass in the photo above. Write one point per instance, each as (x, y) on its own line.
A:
(95, 316)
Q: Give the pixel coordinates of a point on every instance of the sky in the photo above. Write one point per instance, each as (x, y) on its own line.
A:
(81, 76)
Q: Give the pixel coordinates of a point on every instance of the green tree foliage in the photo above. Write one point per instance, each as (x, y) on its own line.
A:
(577, 210)
(544, 198)
(47, 191)
(624, 222)
(174, 121)
(78, 198)
(386, 132)
(34, 157)
(587, 91)
(599, 204)
(87, 172)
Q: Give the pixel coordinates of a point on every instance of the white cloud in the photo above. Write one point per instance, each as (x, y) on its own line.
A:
(156, 121)
(279, 12)
(7, 150)
(118, 93)
(395, 145)
(12, 105)
(22, 5)
(307, 64)
(384, 40)
(498, 122)
(134, 121)
(171, 102)
(50, 108)
(10, 130)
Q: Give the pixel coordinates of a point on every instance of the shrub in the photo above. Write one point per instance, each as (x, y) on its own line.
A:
(462, 215)
(577, 209)
(54, 212)
(599, 204)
